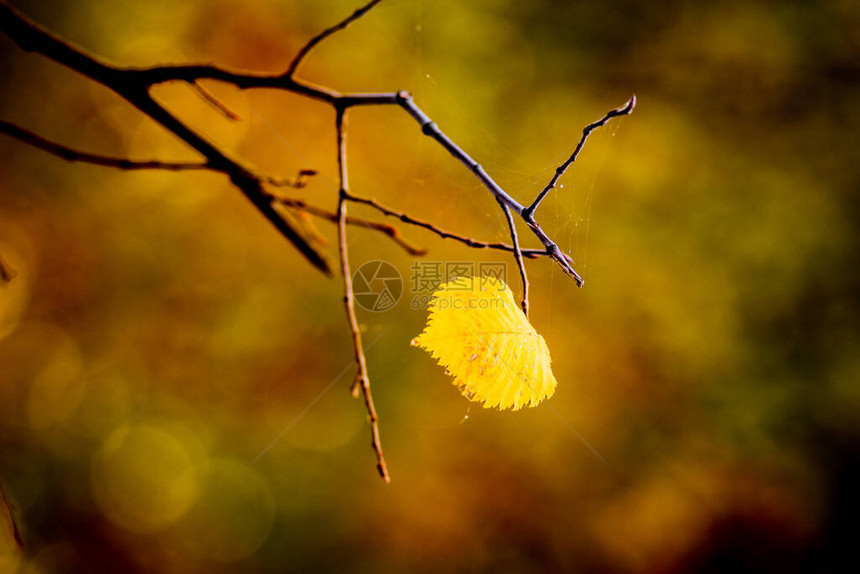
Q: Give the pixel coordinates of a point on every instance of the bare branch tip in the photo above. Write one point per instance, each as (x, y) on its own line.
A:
(355, 388)
(383, 472)
(312, 43)
(629, 106)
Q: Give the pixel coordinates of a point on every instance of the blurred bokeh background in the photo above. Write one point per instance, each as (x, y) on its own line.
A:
(160, 335)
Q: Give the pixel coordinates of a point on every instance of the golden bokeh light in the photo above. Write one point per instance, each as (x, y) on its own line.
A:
(233, 514)
(144, 478)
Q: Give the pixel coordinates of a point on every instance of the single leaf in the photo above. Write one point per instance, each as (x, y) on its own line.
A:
(478, 332)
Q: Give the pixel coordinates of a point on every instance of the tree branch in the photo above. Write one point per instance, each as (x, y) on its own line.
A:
(134, 84)
(210, 98)
(429, 128)
(529, 253)
(135, 90)
(362, 381)
(389, 230)
(312, 43)
(190, 73)
(298, 182)
(70, 154)
(624, 110)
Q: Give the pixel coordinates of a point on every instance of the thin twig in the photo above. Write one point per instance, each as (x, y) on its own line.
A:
(362, 381)
(298, 182)
(70, 154)
(430, 129)
(306, 49)
(518, 256)
(529, 253)
(389, 230)
(624, 110)
(210, 98)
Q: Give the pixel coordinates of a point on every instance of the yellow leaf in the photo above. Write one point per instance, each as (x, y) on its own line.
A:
(478, 332)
